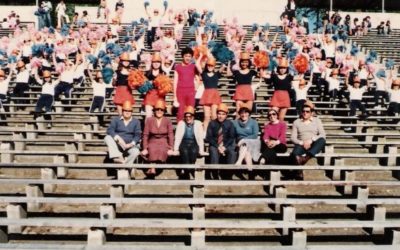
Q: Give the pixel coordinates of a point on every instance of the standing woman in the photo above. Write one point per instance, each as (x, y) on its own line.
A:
(158, 137)
(211, 97)
(243, 77)
(282, 83)
(152, 95)
(123, 91)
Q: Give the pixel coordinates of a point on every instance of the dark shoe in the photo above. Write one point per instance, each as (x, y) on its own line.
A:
(302, 160)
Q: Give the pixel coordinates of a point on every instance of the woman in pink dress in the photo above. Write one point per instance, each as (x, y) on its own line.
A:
(158, 137)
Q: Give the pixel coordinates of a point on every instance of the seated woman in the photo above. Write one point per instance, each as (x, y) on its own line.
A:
(158, 137)
(189, 141)
(247, 136)
(274, 138)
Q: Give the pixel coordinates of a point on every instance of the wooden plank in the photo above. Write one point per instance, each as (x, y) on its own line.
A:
(183, 223)
(200, 201)
(195, 182)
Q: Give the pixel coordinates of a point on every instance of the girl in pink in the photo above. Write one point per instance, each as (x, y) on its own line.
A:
(184, 90)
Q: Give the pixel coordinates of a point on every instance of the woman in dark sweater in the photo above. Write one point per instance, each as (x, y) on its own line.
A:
(282, 83)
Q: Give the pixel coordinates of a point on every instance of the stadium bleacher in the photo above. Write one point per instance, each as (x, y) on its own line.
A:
(57, 191)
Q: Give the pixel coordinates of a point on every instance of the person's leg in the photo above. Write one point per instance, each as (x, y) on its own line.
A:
(316, 147)
(113, 149)
(238, 106)
(249, 105)
(353, 106)
(282, 113)
(241, 155)
(207, 116)
(40, 104)
(214, 159)
(214, 112)
(133, 153)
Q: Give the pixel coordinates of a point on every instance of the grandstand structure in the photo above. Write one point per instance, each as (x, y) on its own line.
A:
(57, 191)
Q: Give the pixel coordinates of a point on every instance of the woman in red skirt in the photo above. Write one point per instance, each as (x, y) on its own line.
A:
(211, 97)
(243, 77)
(123, 91)
(152, 96)
(282, 83)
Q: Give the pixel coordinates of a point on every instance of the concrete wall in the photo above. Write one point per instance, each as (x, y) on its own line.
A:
(26, 13)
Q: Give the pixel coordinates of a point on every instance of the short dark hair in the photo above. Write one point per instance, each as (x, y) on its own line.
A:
(241, 60)
(187, 50)
(244, 109)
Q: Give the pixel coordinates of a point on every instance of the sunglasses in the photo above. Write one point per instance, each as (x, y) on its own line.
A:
(125, 110)
(306, 111)
(188, 116)
(272, 114)
(159, 109)
(210, 65)
(124, 60)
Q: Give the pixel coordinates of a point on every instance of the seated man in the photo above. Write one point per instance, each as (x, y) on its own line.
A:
(308, 135)
(123, 136)
(221, 136)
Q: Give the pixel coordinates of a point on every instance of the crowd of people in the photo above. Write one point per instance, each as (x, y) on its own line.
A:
(116, 63)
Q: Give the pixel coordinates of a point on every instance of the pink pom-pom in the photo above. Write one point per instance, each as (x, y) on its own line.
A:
(371, 68)
(235, 20)
(249, 47)
(322, 66)
(159, 32)
(36, 63)
(60, 67)
(179, 35)
(242, 32)
(339, 58)
(158, 45)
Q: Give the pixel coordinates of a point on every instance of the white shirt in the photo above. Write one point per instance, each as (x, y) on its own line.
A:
(356, 94)
(80, 71)
(363, 73)
(155, 21)
(22, 76)
(330, 50)
(99, 89)
(333, 83)
(394, 95)
(26, 50)
(301, 94)
(4, 86)
(382, 84)
(67, 76)
(48, 87)
(60, 9)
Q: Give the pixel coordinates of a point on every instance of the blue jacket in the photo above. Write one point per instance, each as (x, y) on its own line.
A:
(130, 134)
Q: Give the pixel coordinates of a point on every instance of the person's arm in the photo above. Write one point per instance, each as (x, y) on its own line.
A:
(321, 130)
(255, 129)
(294, 136)
(111, 129)
(137, 133)
(229, 72)
(176, 77)
(210, 138)
(231, 134)
(178, 136)
(146, 133)
(170, 135)
(266, 134)
(282, 134)
(198, 64)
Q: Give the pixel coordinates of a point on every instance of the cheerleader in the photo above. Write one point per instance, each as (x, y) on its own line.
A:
(211, 97)
(22, 82)
(301, 89)
(282, 83)
(4, 84)
(394, 97)
(152, 96)
(46, 98)
(123, 91)
(99, 92)
(66, 85)
(243, 77)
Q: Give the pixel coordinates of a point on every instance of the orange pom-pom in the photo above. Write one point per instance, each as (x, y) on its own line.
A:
(300, 63)
(136, 78)
(202, 49)
(261, 59)
(163, 84)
